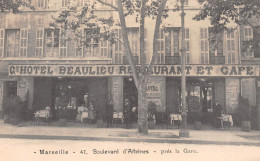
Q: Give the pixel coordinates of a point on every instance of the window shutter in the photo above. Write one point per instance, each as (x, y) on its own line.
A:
(23, 42)
(2, 36)
(187, 45)
(63, 43)
(204, 45)
(78, 43)
(104, 48)
(118, 48)
(39, 42)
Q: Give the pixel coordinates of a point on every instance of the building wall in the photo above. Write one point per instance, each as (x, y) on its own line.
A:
(117, 93)
(232, 95)
(1, 97)
(156, 92)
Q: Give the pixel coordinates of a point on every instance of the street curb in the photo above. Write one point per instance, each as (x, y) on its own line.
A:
(120, 139)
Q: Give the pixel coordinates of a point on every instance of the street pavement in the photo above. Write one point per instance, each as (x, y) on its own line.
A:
(217, 137)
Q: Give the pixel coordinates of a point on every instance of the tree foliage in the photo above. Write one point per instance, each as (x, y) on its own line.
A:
(223, 12)
(14, 5)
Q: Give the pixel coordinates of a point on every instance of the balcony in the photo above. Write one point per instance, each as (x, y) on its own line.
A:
(173, 60)
(136, 60)
(217, 60)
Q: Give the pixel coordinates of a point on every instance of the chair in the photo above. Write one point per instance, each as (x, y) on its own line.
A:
(227, 121)
(118, 117)
(175, 119)
(42, 116)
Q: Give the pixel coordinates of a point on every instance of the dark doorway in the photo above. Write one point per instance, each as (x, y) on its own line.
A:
(130, 91)
(11, 88)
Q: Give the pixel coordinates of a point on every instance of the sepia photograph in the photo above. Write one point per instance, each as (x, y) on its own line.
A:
(133, 80)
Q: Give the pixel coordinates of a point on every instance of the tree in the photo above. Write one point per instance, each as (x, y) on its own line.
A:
(75, 18)
(223, 12)
(14, 5)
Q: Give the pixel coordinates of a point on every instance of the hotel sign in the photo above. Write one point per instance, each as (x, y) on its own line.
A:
(125, 70)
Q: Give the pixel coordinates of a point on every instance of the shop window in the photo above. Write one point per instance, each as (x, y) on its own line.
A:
(204, 46)
(231, 52)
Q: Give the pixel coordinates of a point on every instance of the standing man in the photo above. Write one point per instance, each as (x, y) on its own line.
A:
(127, 113)
(109, 113)
(217, 111)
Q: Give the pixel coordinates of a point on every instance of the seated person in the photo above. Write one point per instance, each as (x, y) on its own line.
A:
(82, 113)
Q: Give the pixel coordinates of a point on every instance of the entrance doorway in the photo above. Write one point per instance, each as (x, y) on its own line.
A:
(11, 88)
(200, 99)
(130, 92)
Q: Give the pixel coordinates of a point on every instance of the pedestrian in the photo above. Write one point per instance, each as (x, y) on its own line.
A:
(90, 112)
(109, 113)
(217, 111)
(127, 113)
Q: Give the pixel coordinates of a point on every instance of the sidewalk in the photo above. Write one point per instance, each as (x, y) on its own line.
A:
(219, 137)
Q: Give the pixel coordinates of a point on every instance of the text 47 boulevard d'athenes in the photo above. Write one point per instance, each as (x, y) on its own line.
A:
(116, 151)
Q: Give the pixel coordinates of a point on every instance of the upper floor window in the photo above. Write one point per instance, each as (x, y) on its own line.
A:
(80, 3)
(65, 3)
(92, 42)
(247, 44)
(12, 42)
(160, 47)
(2, 36)
(133, 36)
(231, 48)
(187, 45)
(42, 3)
(51, 42)
(16, 42)
(118, 47)
(204, 46)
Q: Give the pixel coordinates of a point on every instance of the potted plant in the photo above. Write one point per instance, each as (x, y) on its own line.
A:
(62, 117)
(13, 108)
(244, 114)
(151, 114)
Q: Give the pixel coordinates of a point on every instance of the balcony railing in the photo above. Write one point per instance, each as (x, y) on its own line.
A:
(136, 60)
(217, 60)
(173, 60)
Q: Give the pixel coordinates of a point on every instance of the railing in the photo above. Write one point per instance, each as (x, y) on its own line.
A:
(217, 59)
(173, 60)
(136, 60)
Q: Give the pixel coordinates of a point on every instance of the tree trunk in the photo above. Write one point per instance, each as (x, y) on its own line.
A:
(142, 110)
